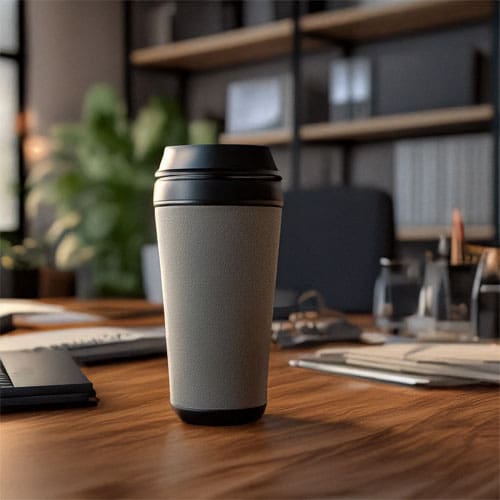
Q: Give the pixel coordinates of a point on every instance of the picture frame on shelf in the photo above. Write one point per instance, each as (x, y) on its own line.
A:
(259, 104)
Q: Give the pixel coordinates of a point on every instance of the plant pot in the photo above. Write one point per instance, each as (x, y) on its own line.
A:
(19, 283)
(55, 283)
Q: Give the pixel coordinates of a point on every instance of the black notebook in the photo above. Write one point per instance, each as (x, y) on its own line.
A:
(47, 378)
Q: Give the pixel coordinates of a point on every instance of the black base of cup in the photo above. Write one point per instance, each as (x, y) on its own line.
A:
(220, 417)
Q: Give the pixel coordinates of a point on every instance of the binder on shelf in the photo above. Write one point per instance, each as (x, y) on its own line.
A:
(434, 176)
(350, 89)
(339, 92)
(361, 87)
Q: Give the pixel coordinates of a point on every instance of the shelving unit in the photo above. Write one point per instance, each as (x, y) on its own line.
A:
(275, 39)
(345, 28)
(437, 121)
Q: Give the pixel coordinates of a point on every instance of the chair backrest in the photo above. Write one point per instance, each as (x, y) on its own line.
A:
(332, 240)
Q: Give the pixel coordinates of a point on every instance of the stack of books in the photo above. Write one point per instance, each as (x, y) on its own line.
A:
(432, 176)
(412, 363)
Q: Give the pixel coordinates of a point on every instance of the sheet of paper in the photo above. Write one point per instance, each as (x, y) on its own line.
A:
(416, 367)
(459, 353)
(377, 374)
(468, 354)
(60, 318)
(37, 313)
(473, 361)
(22, 306)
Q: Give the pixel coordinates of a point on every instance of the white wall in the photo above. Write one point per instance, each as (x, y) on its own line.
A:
(71, 44)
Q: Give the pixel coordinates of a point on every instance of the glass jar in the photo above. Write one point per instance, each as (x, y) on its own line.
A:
(395, 293)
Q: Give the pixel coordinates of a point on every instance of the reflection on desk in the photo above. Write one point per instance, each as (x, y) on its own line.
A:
(321, 436)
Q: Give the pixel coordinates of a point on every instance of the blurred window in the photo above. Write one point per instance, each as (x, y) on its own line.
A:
(10, 85)
(9, 26)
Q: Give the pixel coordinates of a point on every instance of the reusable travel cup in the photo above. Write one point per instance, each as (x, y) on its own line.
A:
(218, 215)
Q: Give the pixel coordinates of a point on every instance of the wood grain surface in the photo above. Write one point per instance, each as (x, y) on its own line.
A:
(322, 436)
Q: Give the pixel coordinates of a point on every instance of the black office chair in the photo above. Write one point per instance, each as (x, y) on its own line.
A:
(332, 240)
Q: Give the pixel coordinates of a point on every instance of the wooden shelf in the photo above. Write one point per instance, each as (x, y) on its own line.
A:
(275, 39)
(442, 121)
(421, 123)
(381, 21)
(222, 49)
(265, 137)
(422, 233)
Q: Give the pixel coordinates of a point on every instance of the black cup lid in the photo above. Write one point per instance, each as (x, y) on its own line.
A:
(227, 158)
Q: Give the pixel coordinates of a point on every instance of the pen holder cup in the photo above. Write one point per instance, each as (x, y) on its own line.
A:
(461, 284)
(445, 303)
(485, 305)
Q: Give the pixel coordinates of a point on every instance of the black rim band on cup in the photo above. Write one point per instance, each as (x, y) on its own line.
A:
(220, 417)
(218, 175)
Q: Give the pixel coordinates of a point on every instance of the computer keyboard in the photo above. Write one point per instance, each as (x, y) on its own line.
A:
(40, 379)
(4, 377)
(93, 344)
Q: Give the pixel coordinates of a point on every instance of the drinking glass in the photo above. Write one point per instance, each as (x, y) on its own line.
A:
(445, 303)
(395, 293)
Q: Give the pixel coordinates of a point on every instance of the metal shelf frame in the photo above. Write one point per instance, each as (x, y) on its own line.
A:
(300, 38)
(347, 49)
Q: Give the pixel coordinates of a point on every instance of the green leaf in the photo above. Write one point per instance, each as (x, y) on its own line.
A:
(61, 225)
(44, 171)
(71, 253)
(203, 132)
(159, 124)
(43, 195)
(99, 222)
(102, 106)
(68, 187)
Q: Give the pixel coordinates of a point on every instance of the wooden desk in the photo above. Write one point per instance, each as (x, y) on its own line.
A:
(322, 436)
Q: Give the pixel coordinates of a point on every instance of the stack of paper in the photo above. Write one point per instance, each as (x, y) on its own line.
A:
(427, 364)
(38, 313)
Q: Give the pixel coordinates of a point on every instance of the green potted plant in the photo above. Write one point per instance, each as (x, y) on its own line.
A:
(98, 178)
(19, 268)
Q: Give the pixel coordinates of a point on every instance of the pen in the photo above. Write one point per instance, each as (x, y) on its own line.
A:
(457, 238)
(338, 369)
